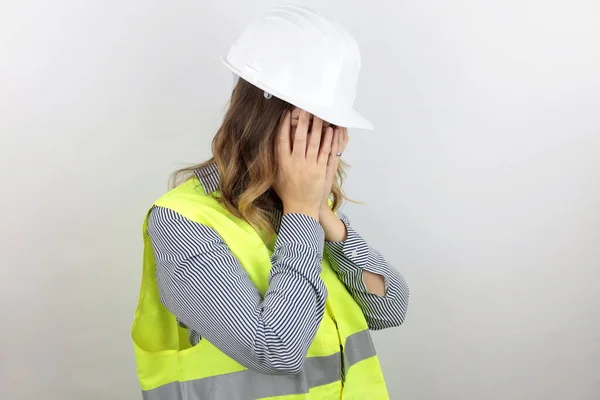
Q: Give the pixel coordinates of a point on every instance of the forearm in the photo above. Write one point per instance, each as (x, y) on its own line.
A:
(294, 279)
(380, 311)
(211, 293)
(377, 287)
(335, 231)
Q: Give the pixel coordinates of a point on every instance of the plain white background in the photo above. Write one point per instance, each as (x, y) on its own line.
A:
(481, 182)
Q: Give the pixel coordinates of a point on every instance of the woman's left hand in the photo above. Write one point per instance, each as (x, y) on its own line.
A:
(340, 140)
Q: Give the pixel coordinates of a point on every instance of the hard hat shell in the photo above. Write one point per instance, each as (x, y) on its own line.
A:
(301, 57)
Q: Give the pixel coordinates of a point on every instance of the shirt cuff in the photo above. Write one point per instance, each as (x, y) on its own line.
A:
(354, 248)
(301, 229)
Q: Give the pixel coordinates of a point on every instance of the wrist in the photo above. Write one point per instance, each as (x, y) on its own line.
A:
(291, 208)
(325, 207)
(335, 229)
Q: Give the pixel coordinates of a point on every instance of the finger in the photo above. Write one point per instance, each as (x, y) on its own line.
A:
(346, 138)
(343, 139)
(299, 149)
(295, 116)
(335, 147)
(334, 160)
(314, 142)
(284, 145)
(296, 113)
(325, 151)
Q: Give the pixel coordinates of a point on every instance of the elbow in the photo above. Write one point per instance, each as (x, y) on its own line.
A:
(288, 366)
(399, 316)
(289, 369)
(394, 314)
(392, 320)
(399, 305)
(287, 359)
(400, 308)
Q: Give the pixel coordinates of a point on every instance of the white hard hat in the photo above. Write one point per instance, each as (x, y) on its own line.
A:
(303, 58)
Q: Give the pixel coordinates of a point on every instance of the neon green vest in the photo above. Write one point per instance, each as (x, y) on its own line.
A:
(341, 362)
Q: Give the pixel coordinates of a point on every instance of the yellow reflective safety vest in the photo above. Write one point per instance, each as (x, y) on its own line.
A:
(341, 362)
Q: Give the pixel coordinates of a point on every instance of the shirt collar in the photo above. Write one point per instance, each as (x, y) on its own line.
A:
(209, 177)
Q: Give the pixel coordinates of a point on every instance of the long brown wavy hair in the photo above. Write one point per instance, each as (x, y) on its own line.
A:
(244, 152)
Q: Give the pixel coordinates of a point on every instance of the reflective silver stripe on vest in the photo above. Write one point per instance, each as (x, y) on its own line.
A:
(251, 385)
(359, 346)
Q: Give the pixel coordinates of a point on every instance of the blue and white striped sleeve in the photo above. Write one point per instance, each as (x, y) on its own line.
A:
(353, 256)
(203, 284)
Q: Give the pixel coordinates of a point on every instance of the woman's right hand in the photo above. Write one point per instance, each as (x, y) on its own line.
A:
(302, 164)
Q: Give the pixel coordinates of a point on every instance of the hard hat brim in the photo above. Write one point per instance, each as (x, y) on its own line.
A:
(348, 118)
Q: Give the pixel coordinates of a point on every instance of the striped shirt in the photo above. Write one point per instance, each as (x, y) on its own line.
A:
(203, 284)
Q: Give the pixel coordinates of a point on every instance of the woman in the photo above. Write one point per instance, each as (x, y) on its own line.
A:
(253, 285)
